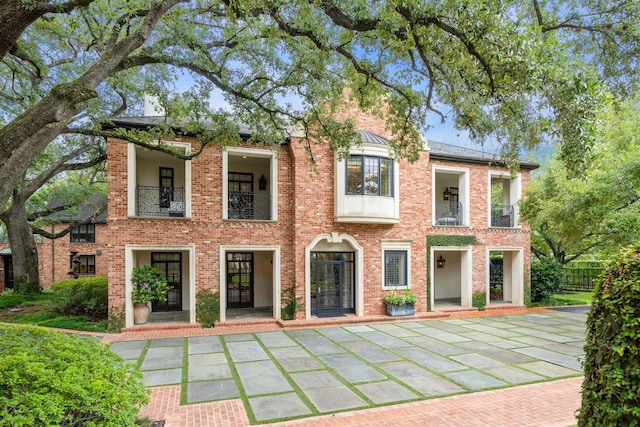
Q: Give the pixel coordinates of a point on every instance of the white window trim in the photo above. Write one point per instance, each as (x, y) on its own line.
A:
(517, 271)
(396, 245)
(515, 192)
(465, 191)
(273, 176)
(132, 172)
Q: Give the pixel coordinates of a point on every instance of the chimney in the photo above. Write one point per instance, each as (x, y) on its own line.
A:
(152, 107)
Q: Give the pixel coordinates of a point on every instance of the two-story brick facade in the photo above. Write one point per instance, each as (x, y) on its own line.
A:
(253, 221)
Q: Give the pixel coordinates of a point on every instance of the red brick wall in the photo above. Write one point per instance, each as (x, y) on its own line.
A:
(53, 255)
(206, 229)
(305, 210)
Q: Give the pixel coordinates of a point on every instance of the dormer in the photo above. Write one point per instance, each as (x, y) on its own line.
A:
(367, 183)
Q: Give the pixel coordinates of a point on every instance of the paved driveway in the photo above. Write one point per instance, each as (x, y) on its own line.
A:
(308, 372)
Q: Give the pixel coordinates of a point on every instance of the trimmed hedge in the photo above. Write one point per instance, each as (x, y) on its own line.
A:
(85, 296)
(547, 277)
(611, 387)
(48, 378)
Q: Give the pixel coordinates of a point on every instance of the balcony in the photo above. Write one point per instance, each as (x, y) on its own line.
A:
(250, 205)
(160, 201)
(503, 216)
(449, 213)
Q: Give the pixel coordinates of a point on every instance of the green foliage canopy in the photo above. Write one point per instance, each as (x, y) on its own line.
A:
(509, 71)
(575, 215)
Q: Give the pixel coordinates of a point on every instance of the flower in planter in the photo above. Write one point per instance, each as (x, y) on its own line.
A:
(395, 298)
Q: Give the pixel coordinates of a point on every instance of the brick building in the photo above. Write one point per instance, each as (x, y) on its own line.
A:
(54, 255)
(252, 221)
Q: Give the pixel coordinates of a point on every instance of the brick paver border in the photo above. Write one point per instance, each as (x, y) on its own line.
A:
(548, 404)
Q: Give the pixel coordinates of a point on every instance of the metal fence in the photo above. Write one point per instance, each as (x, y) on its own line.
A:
(582, 275)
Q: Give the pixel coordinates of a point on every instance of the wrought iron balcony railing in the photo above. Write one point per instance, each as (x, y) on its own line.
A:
(502, 216)
(449, 213)
(249, 205)
(160, 201)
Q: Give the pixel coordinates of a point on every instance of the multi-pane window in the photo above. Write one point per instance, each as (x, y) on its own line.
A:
(368, 175)
(85, 233)
(86, 266)
(395, 268)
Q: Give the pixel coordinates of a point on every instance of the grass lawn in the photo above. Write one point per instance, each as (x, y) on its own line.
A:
(36, 309)
(566, 298)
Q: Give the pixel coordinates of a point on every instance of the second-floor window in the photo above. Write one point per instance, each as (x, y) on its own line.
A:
(85, 233)
(369, 176)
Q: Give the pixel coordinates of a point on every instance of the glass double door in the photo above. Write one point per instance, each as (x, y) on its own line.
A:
(170, 265)
(240, 279)
(332, 283)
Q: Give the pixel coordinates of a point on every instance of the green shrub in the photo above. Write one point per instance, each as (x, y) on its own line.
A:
(546, 278)
(611, 387)
(87, 296)
(207, 308)
(291, 304)
(479, 300)
(51, 379)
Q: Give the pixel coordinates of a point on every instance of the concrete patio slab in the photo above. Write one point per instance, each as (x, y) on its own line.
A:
(513, 375)
(352, 369)
(162, 377)
(211, 390)
(129, 350)
(474, 380)
(570, 362)
(208, 372)
(548, 369)
(420, 379)
(261, 378)
(319, 345)
(205, 345)
(246, 351)
(333, 399)
(384, 392)
(315, 379)
(162, 358)
(275, 339)
(430, 360)
(279, 406)
(339, 335)
(477, 361)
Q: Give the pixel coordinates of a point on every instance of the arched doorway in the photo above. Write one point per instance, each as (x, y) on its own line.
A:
(334, 276)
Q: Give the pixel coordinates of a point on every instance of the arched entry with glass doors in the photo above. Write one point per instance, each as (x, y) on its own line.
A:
(333, 283)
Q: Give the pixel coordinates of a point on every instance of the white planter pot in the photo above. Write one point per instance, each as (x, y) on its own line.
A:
(141, 313)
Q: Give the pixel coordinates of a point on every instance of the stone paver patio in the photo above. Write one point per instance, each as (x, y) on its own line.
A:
(290, 374)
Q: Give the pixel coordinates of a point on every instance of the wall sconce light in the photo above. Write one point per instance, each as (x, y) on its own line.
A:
(262, 182)
(440, 262)
(446, 194)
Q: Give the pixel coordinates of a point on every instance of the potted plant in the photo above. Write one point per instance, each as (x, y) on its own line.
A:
(400, 304)
(148, 286)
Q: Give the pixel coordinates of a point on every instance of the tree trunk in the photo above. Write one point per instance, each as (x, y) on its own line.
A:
(25, 137)
(23, 248)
